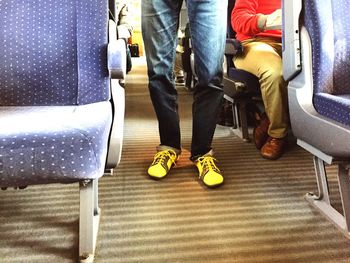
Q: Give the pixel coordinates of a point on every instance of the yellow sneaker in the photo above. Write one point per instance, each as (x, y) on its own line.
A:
(209, 173)
(163, 161)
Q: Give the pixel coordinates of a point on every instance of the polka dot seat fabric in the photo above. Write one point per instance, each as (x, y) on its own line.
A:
(328, 26)
(55, 113)
(41, 145)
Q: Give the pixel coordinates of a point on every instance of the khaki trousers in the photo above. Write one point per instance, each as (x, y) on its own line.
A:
(263, 58)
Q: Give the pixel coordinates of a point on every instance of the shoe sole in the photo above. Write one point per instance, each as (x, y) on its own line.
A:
(271, 158)
(155, 178)
(213, 186)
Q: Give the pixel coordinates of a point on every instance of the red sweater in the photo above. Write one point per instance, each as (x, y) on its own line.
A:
(244, 19)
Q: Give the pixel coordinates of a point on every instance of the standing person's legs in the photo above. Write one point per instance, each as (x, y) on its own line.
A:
(159, 30)
(160, 20)
(208, 34)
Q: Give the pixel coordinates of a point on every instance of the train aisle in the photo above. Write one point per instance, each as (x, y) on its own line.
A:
(258, 215)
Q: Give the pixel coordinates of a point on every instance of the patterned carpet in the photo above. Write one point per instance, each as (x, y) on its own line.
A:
(258, 215)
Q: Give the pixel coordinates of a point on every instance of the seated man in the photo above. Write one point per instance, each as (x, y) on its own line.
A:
(257, 24)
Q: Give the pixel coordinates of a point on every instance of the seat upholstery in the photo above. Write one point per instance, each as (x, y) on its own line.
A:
(59, 108)
(50, 59)
(335, 107)
(49, 56)
(330, 68)
(43, 144)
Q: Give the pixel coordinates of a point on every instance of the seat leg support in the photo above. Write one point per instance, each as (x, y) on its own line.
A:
(322, 201)
(240, 122)
(322, 183)
(344, 189)
(89, 220)
(244, 120)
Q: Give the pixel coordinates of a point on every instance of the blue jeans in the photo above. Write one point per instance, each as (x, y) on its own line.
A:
(160, 21)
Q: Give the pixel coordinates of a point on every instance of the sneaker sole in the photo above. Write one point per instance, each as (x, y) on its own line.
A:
(212, 186)
(156, 178)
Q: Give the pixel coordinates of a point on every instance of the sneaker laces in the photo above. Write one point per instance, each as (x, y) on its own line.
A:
(208, 164)
(161, 156)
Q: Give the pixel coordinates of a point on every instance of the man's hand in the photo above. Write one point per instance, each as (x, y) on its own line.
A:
(274, 20)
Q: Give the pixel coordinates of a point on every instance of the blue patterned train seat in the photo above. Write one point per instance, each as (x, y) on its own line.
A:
(59, 106)
(316, 61)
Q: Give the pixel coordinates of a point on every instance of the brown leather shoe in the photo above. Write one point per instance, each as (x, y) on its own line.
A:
(273, 148)
(260, 132)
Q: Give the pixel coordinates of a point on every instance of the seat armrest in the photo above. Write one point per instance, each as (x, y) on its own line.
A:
(116, 54)
(115, 143)
(233, 47)
(112, 10)
(112, 31)
(291, 39)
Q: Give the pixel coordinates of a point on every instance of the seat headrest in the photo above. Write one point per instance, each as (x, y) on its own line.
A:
(53, 52)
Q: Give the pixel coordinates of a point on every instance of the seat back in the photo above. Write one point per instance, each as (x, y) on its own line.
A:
(230, 32)
(57, 113)
(233, 48)
(232, 45)
(48, 54)
(186, 61)
(112, 10)
(331, 42)
(331, 67)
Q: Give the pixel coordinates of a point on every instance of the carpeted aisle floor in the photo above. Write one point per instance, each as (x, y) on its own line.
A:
(259, 215)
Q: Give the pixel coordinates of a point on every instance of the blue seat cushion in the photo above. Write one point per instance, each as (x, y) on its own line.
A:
(60, 144)
(335, 107)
